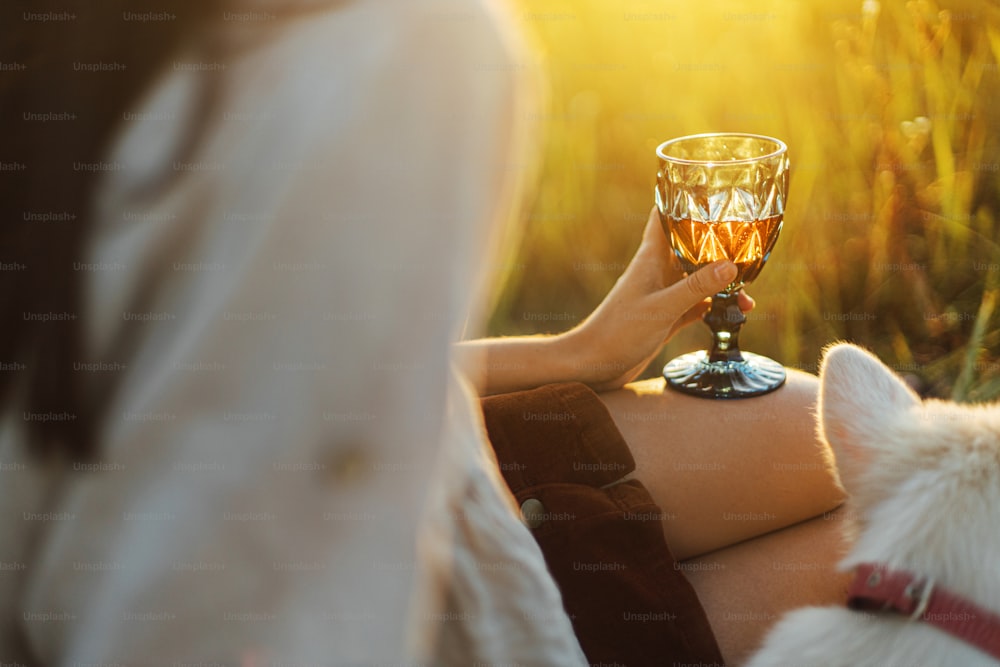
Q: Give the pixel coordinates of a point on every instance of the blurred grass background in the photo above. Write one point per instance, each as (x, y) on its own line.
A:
(889, 111)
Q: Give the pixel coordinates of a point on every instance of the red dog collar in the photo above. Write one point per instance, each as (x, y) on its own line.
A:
(875, 587)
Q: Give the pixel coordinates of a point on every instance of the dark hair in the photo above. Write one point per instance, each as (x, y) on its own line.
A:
(71, 71)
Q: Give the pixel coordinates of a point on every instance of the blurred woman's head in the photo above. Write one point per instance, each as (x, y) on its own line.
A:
(73, 71)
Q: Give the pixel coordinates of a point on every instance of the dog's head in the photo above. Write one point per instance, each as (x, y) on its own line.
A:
(923, 476)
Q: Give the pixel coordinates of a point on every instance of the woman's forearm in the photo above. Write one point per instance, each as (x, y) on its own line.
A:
(499, 365)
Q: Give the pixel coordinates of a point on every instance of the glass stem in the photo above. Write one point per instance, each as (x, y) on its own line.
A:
(725, 319)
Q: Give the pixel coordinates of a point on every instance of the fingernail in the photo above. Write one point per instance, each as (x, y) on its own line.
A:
(726, 271)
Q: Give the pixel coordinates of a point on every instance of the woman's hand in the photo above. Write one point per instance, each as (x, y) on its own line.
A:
(651, 301)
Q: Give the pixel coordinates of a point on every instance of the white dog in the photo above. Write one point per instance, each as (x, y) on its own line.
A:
(924, 485)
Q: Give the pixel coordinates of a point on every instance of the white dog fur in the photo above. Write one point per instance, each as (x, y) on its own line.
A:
(924, 485)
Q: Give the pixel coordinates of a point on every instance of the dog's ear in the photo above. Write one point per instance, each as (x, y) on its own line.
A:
(860, 397)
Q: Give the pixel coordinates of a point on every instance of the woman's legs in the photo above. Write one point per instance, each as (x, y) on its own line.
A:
(746, 588)
(727, 471)
(729, 476)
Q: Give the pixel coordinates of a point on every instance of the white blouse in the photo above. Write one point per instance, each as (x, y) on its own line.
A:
(288, 473)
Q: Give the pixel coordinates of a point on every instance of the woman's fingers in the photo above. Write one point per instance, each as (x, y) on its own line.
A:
(746, 303)
(692, 315)
(687, 299)
(656, 243)
(653, 232)
(656, 248)
(691, 290)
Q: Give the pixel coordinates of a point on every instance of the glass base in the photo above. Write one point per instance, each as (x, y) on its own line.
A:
(694, 374)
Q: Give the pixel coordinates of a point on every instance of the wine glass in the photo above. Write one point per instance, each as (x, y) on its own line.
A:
(722, 196)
